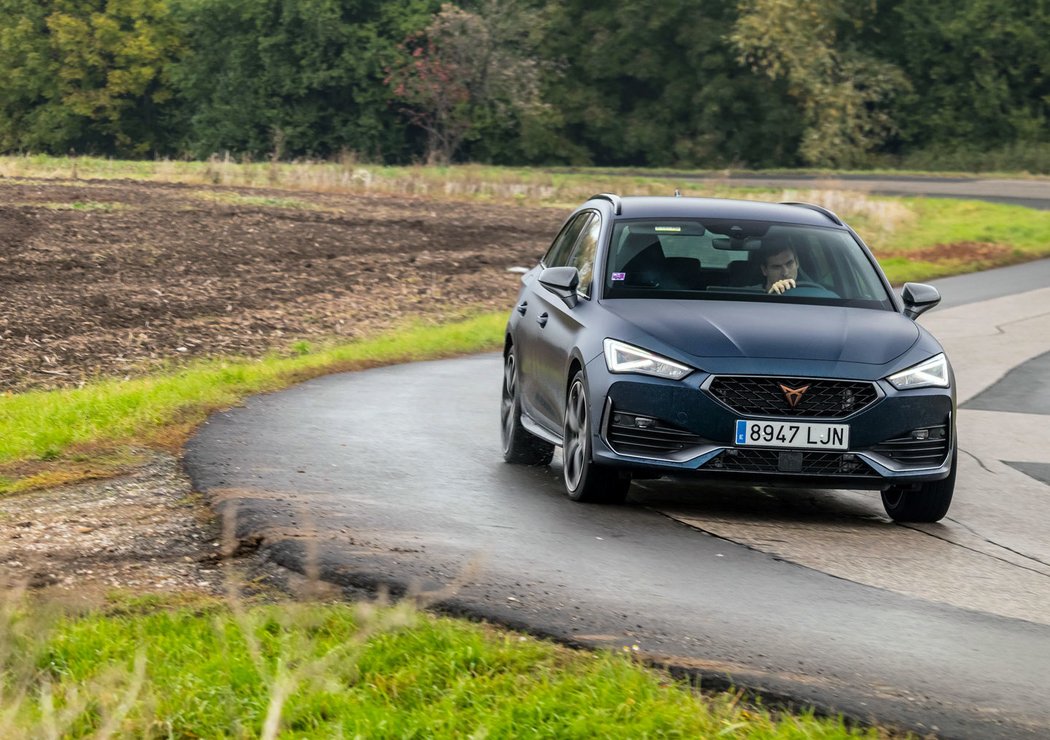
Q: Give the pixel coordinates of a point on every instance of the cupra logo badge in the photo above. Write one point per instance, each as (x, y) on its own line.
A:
(793, 395)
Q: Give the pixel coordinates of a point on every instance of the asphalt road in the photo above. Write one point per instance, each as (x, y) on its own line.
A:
(393, 476)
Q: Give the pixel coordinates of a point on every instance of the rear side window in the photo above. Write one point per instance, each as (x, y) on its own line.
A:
(558, 254)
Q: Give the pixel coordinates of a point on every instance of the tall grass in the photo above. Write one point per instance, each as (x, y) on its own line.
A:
(887, 222)
(143, 667)
(474, 182)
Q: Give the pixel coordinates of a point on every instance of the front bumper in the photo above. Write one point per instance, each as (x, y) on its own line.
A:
(660, 427)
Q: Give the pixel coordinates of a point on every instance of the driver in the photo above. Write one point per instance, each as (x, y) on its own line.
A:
(780, 270)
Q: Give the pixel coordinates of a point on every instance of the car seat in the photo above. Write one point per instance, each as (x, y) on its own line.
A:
(743, 273)
(647, 268)
(683, 273)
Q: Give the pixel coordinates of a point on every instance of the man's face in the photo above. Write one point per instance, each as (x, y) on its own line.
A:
(780, 266)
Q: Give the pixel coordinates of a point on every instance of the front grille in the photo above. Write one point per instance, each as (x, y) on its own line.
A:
(916, 453)
(651, 438)
(763, 396)
(837, 464)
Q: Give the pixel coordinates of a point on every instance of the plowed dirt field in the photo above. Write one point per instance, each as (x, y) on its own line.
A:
(104, 278)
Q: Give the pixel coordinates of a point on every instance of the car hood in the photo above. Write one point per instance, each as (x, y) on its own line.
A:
(774, 331)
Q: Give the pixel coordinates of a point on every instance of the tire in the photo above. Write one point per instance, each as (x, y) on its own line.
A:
(927, 502)
(586, 481)
(519, 447)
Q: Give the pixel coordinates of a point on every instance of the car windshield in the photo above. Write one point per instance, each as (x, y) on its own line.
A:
(718, 259)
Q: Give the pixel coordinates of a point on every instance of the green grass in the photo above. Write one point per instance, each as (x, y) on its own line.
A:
(206, 670)
(239, 199)
(1015, 234)
(76, 205)
(48, 425)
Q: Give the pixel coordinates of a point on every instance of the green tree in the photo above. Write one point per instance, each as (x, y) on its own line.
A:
(657, 84)
(88, 75)
(468, 73)
(845, 93)
(294, 77)
(31, 81)
(980, 68)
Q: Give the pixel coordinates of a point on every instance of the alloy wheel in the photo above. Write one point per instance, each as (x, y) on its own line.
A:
(510, 387)
(575, 446)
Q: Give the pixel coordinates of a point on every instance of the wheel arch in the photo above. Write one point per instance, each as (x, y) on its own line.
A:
(575, 366)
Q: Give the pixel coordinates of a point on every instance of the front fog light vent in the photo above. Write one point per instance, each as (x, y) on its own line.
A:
(634, 434)
(921, 448)
(933, 433)
(630, 420)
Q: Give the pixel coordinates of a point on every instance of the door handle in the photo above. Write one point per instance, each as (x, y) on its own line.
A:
(542, 320)
(523, 307)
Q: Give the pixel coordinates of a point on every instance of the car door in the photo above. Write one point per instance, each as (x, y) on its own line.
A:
(555, 336)
(533, 309)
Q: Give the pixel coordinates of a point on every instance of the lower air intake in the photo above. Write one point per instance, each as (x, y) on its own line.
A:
(830, 464)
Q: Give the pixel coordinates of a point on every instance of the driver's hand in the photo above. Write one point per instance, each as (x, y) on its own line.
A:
(781, 285)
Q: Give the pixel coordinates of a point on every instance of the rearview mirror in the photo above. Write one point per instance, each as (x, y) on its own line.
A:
(747, 244)
(562, 282)
(919, 298)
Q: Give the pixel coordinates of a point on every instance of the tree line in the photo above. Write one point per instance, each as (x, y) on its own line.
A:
(676, 83)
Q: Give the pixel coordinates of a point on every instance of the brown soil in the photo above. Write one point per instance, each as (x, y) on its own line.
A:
(103, 278)
(109, 278)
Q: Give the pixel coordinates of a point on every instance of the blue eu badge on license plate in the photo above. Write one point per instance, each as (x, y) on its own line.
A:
(741, 432)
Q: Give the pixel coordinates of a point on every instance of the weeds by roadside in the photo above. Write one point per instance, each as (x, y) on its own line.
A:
(193, 666)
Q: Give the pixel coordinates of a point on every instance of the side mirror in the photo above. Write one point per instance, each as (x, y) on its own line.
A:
(562, 282)
(919, 298)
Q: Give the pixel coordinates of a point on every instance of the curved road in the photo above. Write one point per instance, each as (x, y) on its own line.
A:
(393, 476)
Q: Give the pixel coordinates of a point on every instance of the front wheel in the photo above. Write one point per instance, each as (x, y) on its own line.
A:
(586, 481)
(518, 445)
(926, 502)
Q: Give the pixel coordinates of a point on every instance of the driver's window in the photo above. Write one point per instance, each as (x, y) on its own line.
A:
(558, 254)
(583, 256)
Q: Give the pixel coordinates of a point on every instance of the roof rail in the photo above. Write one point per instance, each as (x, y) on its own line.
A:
(819, 209)
(617, 204)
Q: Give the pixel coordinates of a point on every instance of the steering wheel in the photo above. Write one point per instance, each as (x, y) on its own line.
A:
(809, 289)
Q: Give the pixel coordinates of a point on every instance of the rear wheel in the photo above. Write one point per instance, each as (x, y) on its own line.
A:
(926, 502)
(585, 480)
(518, 445)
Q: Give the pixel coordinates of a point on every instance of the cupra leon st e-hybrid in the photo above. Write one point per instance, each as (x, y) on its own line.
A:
(726, 340)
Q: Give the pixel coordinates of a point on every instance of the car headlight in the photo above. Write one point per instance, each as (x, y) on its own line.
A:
(624, 358)
(932, 373)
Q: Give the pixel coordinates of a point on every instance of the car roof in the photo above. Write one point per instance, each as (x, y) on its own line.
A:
(747, 210)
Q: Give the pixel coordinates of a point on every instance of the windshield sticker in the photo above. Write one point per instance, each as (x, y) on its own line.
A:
(619, 275)
(672, 229)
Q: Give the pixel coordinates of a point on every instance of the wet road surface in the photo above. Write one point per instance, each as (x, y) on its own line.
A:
(394, 476)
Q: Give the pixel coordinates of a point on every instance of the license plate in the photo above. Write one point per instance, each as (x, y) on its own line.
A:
(801, 436)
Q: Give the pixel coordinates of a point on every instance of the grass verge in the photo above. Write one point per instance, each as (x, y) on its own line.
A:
(152, 667)
(46, 437)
